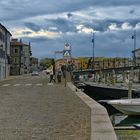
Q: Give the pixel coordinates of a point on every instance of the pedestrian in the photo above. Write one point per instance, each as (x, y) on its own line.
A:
(59, 75)
(51, 74)
(63, 69)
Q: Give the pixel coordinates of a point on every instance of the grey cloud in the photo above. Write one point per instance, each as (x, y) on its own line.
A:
(37, 40)
(132, 11)
(14, 10)
(62, 25)
(69, 15)
(117, 43)
(102, 25)
(32, 26)
(107, 44)
(27, 33)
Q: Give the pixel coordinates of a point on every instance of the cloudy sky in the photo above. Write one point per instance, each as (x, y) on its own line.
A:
(48, 24)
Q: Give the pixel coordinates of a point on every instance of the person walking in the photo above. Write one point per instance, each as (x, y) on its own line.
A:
(59, 75)
(51, 74)
(63, 69)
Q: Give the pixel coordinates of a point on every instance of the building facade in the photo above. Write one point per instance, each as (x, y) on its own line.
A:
(105, 63)
(20, 57)
(5, 36)
(137, 55)
(99, 63)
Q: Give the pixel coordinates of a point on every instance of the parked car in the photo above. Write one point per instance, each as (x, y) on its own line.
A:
(35, 73)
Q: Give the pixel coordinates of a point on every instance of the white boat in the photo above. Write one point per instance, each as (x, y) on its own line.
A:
(126, 106)
(137, 126)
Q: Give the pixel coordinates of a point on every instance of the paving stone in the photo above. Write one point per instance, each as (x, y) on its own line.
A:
(42, 113)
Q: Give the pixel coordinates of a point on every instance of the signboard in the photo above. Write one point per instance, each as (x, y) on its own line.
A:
(66, 53)
(67, 47)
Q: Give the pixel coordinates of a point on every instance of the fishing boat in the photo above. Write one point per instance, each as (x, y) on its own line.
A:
(126, 106)
(104, 92)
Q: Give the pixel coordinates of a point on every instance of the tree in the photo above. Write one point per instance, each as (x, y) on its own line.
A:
(46, 62)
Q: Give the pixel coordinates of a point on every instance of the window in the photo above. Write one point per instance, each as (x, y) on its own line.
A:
(16, 51)
(2, 37)
(16, 60)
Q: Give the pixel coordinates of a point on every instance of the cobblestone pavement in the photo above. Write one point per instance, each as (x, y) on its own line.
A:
(46, 112)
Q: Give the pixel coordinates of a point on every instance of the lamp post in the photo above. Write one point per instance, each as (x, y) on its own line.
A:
(134, 51)
(93, 61)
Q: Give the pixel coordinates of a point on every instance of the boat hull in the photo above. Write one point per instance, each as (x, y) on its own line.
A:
(127, 106)
(128, 110)
(105, 93)
(137, 126)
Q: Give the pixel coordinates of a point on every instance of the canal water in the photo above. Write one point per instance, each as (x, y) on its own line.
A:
(119, 120)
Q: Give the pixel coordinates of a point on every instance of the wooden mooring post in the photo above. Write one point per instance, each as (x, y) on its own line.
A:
(131, 76)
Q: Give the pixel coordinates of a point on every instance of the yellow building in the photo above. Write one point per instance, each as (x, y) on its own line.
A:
(99, 63)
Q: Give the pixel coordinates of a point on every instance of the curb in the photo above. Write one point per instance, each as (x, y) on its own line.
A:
(101, 126)
(10, 78)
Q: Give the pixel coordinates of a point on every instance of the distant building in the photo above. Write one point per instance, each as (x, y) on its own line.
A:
(104, 63)
(4, 52)
(137, 55)
(74, 61)
(20, 57)
(99, 63)
(34, 63)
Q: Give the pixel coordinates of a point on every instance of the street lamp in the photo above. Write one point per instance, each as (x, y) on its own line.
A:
(134, 51)
(93, 53)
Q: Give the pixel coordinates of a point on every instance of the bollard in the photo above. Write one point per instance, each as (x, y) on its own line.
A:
(130, 90)
(131, 77)
(105, 74)
(113, 77)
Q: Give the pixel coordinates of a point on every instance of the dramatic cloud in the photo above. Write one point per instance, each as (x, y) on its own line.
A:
(33, 26)
(19, 33)
(49, 23)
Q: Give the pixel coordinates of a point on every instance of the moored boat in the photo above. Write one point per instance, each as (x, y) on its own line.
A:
(137, 126)
(126, 106)
(105, 92)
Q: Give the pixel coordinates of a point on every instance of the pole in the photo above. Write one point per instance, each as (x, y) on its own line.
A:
(55, 64)
(93, 52)
(134, 47)
(131, 76)
(134, 55)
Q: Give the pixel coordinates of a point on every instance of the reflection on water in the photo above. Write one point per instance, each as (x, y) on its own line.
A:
(128, 120)
(116, 119)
